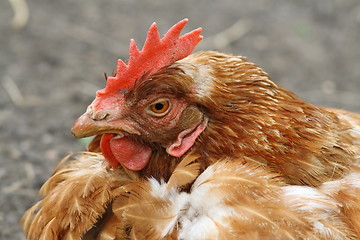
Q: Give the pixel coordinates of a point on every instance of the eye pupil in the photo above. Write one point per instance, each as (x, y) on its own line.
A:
(159, 106)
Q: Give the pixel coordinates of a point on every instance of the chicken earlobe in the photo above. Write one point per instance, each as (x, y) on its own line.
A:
(186, 140)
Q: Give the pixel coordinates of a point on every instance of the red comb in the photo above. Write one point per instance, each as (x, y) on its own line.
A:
(156, 53)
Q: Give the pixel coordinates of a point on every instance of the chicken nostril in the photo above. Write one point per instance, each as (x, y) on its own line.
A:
(90, 110)
(100, 116)
(97, 115)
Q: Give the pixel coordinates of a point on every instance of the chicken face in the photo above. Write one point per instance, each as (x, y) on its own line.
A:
(156, 112)
(133, 114)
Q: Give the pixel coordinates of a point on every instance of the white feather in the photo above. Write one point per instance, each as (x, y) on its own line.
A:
(198, 212)
(205, 210)
(309, 199)
(202, 75)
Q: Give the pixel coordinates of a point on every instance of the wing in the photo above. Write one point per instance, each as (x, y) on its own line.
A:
(74, 198)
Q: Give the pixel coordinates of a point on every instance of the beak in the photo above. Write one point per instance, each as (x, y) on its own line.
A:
(86, 126)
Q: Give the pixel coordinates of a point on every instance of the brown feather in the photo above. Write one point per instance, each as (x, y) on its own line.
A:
(146, 214)
(184, 173)
(75, 197)
(112, 229)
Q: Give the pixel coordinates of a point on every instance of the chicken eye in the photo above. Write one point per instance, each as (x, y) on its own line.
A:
(159, 108)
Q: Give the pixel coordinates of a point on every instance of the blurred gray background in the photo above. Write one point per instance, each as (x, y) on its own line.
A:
(53, 55)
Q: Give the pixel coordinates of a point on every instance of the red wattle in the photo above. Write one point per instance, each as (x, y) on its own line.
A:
(106, 149)
(131, 154)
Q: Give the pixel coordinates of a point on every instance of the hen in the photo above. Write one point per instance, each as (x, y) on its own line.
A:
(202, 146)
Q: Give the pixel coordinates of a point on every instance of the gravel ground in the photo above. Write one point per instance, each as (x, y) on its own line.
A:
(52, 62)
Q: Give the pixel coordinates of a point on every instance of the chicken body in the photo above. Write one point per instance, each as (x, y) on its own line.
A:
(259, 140)
(213, 150)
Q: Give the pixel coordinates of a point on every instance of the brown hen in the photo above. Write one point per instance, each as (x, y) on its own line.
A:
(202, 146)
